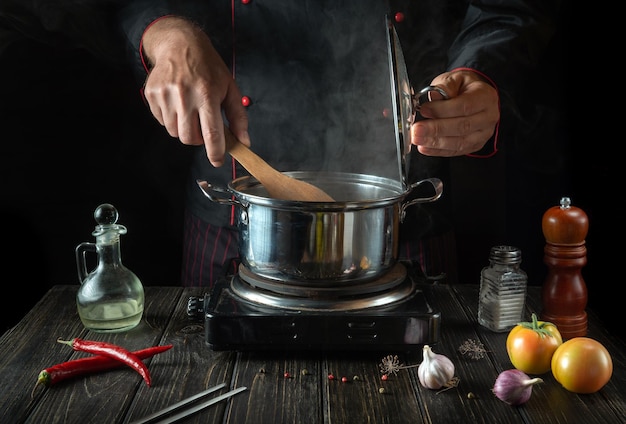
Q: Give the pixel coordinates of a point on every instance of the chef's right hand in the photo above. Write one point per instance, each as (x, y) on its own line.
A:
(188, 86)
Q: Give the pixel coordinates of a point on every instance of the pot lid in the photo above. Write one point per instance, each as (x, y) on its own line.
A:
(406, 103)
(403, 94)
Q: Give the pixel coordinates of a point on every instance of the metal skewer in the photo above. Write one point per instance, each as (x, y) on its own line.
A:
(192, 410)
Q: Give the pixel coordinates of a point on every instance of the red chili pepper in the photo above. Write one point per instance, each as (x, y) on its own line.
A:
(112, 351)
(89, 365)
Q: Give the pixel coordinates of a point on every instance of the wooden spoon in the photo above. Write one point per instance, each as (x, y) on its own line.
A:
(277, 184)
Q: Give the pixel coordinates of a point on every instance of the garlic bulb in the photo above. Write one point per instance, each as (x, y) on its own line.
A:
(435, 370)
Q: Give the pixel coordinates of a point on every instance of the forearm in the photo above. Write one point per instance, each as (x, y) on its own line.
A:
(170, 36)
(134, 19)
(504, 43)
(139, 16)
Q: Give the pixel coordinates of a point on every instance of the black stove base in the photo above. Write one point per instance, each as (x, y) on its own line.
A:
(233, 323)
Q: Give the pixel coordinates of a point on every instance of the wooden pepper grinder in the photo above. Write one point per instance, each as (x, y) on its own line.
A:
(564, 294)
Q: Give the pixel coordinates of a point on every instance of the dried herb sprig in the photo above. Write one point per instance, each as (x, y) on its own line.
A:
(390, 364)
(472, 349)
(454, 381)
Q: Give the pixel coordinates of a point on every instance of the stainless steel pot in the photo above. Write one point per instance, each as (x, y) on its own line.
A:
(349, 241)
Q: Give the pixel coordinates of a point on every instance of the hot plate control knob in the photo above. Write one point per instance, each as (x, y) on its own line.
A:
(195, 308)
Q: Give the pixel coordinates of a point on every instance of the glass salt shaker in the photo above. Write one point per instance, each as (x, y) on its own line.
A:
(502, 289)
(111, 297)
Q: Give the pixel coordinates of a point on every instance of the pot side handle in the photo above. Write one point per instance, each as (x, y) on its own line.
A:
(209, 191)
(437, 185)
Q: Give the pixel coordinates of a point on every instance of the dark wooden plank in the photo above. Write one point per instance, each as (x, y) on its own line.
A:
(272, 398)
(31, 346)
(187, 369)
(191, 366)
(475, 376)
(102, 397)
(613, 392)
(360, 401)
(551, 403)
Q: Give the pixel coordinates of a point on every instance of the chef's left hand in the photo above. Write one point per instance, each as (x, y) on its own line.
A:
(461, 124)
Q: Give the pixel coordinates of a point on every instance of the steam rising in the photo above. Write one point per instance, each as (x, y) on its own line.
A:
(340, 112)
(341, 100)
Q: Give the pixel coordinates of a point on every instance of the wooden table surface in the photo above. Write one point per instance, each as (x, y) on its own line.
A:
(121, 396)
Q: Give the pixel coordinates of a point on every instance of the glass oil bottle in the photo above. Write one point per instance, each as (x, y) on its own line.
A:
(111, 297)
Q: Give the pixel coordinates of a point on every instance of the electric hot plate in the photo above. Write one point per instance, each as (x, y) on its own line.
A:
(248, 312)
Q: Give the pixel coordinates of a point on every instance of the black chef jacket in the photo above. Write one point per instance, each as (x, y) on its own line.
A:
(502, 39)
(317, 73)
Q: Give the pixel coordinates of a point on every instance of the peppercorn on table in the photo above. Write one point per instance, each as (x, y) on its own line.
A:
(284, 386)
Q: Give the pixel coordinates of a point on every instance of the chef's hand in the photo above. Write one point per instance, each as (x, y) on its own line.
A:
(461, 124)
(189, 85)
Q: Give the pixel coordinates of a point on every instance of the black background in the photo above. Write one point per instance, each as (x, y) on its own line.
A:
(75, 133)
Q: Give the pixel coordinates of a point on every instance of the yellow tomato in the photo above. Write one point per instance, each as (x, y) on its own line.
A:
(530, 345)
(582, 365)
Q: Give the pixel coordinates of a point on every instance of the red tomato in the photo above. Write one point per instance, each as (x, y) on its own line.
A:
(530, 345)
(582, 365)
